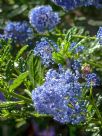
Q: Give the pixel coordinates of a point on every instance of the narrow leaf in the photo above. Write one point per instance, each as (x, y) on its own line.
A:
(17, 82)
(21, 52)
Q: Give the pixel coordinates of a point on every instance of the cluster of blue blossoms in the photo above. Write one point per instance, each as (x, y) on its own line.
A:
(3, 37)
(61, 97)
(20, 32)
(99, 35)
(76, 49)
(43, 19)
(72, 4)
(92, 80)
(44, 49)
(76, 65)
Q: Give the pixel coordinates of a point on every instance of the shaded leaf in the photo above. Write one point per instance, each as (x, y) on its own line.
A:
(17, 82)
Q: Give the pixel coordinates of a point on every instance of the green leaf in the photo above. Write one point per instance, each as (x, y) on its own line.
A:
(10, 104)
(9, 69)
(71, 32)
(21, 52)
(19, 10)
(90, 108)
(58, 58)
(35, 70)
(17, 82)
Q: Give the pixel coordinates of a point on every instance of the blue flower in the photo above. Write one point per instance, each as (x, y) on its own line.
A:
(42, 18)
(99, 35)
(72, 4)
(60, 97)
(19, 32)
(44, 49)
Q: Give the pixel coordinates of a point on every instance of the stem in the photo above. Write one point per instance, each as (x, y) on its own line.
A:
(72, 131)
(11, 103)
(76, 36)
(86, 37)
(27, 100)
(14, 75)
(49, 34)
(94, 105)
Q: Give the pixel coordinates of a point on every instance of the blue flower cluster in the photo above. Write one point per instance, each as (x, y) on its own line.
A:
(76, 65)
(44, 49)
(92, 80)
(75, 49)
(61, 97)
(43, 19)
(3, 37)
(72, 4)
(19, 32)
(98, 3)
(99, 35)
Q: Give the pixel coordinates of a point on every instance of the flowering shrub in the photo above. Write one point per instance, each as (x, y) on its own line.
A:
(47, 71)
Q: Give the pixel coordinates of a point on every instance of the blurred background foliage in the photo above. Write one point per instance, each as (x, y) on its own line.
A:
(17, 10)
